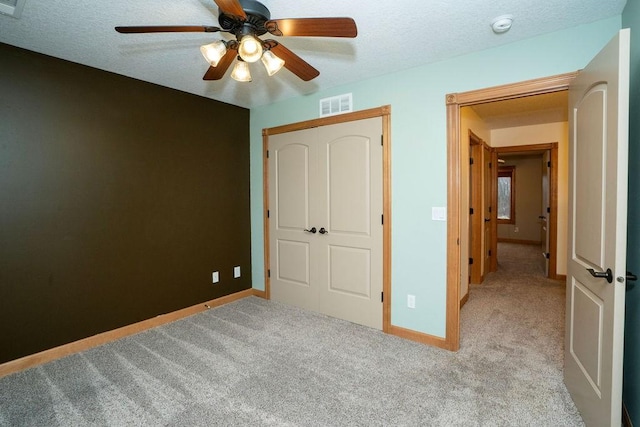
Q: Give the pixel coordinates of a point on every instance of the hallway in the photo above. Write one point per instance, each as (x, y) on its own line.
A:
(516, 318)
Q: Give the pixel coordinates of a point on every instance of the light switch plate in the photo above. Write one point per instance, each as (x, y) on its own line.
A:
(236, 271)
(411, 301)
(215, 277)
(439, 213)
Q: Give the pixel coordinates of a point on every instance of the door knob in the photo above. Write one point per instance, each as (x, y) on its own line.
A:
(323, 231)
(312, 231)
(602, 274)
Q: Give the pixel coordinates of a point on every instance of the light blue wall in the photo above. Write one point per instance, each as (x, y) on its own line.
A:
(631, 394)
(419, 161)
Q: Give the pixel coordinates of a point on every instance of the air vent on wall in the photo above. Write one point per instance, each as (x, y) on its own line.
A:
(12, 7)
(336, 105)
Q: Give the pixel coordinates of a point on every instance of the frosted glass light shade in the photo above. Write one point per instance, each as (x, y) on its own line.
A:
(271, 62)
(213, 52)
(250, 49)
(241, 72)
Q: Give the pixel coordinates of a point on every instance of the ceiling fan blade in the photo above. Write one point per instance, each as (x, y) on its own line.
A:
(168, 29)
(293, 62)
(313, 27)
(216, 73)
(231, 7)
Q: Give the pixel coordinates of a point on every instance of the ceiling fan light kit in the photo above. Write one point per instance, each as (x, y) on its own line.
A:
(241, 72)
(214, 52)
(272, 63)
(247, 20)
(250, 49)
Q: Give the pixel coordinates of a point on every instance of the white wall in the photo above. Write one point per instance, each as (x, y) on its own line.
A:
(419, 152)
(543, 134)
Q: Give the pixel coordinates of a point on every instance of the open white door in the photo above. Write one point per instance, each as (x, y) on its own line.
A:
(598, 145)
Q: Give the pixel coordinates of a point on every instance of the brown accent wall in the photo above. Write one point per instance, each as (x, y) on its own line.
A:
(118, 199)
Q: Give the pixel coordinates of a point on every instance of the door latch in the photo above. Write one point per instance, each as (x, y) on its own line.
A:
(602, 274)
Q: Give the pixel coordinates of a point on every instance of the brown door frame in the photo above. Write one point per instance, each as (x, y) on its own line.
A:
(454, 102)
(492, 264)
(553, 199)
(476, 224)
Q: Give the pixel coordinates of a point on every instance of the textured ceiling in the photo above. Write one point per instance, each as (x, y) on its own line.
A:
(82, 31)
(525, 111)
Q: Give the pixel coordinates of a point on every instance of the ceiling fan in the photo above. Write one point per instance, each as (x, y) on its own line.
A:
(247, 20)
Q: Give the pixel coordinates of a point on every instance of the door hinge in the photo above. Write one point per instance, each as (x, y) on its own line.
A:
(471, 160)
(547, 255)
(268, 213)
(269, 273)
(490, 165)
(382, 140)
(549, 164)
(489, 209)
(267, 154)
(489, 252)
(382, 219)
(470, 261)
(470, 211)
(381, 296)
(548, 210)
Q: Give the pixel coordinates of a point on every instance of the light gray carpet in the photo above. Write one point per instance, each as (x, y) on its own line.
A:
(255, 362)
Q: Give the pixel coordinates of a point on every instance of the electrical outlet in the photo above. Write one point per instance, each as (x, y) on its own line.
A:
(411, 301)
(215, 277)
(236, 271)
(516, 229)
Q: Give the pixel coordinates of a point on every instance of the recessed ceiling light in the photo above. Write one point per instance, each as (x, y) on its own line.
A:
(502, 24)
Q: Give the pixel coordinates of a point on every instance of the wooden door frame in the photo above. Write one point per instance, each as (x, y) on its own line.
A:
(384, 113)
(475, 223)
(553, 200)
(493, 214)
(454, 101)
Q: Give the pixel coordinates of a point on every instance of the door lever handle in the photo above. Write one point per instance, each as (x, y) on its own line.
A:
(602, 274)
(487, 219)
(631, 277)
(312, 231)
(323, 231)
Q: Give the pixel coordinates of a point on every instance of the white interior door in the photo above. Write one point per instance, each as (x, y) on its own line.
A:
(325, 202)
(292, 166)
(598, 144)
(351, 174)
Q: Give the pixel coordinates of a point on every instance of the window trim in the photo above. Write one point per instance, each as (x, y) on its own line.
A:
(509, 172)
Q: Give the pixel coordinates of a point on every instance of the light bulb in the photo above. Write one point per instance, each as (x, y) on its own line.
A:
(241, 72)
(250, 49)
(271, 62)
(214, 52)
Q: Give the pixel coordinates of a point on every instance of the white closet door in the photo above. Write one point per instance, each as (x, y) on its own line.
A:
(292, 171)
(351, 266)
(328, 181)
